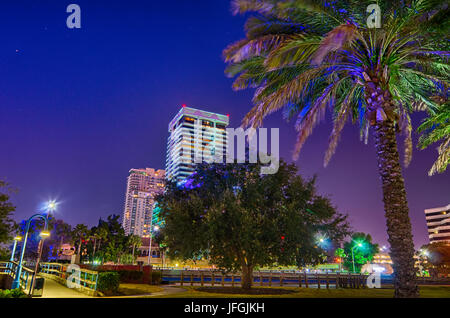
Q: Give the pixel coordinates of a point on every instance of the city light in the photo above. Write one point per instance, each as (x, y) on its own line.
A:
(18, 238)
(44, 234)
(49, 206)
(424, 252)
(322, 241)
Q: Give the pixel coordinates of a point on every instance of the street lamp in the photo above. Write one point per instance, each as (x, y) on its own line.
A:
(16, 282)
(156, 228)
(353, 256)
(50, 206)
(44, 234)
(16, 239)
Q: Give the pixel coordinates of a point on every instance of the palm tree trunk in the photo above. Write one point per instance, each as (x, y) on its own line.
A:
(79, 248)
(95, 244)
(396, 210)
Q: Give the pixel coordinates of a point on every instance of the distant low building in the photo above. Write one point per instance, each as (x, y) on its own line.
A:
(381, 263)
(156, 258)
(382, 258)
(64, 253)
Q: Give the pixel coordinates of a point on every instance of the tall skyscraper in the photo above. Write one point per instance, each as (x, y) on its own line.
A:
(438, 222)
(142, 187)
(187, 146)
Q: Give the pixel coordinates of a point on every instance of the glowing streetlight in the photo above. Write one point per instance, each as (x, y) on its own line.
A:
(44, 234)
(16, 239)
(321, 240)
(50, 206)
(424, 252)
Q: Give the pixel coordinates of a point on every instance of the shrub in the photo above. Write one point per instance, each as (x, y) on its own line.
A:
(156, 277)
(108, 282)
(12, 293)
(126, 276)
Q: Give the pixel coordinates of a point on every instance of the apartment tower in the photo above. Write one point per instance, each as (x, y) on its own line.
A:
(142, 187)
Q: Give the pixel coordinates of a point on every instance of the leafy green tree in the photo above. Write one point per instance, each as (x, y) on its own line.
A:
(436, 128)
(7, 224)
(362, 254)
(339, 252)
(238, 219)
(305, 56)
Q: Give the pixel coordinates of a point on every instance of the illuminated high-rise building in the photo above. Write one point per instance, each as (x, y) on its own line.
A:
(142, 187)
(438, 223)
(188, 146)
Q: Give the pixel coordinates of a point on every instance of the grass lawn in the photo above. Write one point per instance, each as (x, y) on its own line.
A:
(138, 289)
(194, 292)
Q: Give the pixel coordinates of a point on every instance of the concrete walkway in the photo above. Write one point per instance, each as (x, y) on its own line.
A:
(168, 290)
(52, 289)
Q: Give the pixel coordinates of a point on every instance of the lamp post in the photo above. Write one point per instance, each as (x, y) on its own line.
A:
(150, 245)
(16, 239)
(16, 282)
(43, 235)
(353, 256)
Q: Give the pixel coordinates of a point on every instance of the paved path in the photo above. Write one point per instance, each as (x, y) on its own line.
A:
(52, 289)
(168, 290)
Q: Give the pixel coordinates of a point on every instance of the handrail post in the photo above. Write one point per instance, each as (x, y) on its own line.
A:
(306, 279)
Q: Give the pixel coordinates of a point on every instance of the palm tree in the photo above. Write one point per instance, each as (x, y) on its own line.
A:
(93, 235)
(102, 234)
(79, 233)
(135, 241)
(437, 128)
(306, 55)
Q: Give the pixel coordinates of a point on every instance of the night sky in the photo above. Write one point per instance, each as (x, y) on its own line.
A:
(80, 107)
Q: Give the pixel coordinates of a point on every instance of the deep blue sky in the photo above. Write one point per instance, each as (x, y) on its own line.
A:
(79, 108)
